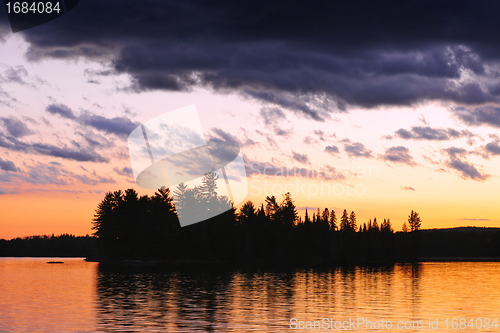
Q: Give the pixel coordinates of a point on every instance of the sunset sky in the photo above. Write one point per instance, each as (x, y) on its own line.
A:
(384, 109)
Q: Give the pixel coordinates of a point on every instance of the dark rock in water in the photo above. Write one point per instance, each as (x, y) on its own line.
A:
(55, 262)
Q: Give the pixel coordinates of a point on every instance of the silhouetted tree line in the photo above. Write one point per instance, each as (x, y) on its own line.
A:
(64, 245)
(129, 226)
(460, 242)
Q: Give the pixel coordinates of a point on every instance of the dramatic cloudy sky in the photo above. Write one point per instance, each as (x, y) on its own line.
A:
(383, 106)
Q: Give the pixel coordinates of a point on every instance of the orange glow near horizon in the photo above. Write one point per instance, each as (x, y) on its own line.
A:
(46, 213)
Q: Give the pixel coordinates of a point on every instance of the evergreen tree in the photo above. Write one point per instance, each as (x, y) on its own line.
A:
(188, 203)
(344, 222)
(261, 214)
(272, 208)
(414, 221)
(325, 217)
(375, 227)
(161, 205)
(159, 233)
(333, 220)
(386, 226)
(209, 185)
(288, 210)
(105, 221)
(306, 219)
(352, 222)
(180, 198)
(405, 227)
(208, 202)
(247, 213)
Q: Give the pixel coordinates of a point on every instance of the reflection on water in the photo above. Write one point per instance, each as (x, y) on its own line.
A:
(36, 296)
(80, 296)
(239, 301)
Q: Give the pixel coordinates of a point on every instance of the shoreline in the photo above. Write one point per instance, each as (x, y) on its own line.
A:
(312, 264)
(319, 263)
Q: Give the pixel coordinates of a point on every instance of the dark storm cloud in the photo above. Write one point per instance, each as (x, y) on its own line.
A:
(15, 127)
(7, 165)
(398, 154)
(429, 133)
(61, 110)
(363, 53)
(357, 149)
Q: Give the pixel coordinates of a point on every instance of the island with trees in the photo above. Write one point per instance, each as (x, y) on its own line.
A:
(132, 227)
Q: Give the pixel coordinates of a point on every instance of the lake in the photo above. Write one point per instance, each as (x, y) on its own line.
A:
(86, 296)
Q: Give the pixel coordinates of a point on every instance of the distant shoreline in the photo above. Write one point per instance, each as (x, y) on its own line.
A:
(460, 259)
(190, 263)
(459, 244)
(224, 265)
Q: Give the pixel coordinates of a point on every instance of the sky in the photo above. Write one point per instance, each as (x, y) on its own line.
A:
(375, 107)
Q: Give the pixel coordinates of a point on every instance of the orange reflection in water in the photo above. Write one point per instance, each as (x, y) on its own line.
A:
(80, 296)
(36, 296)
(236, 301)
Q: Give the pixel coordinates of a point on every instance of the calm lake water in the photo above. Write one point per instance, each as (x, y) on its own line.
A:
(80, 296)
